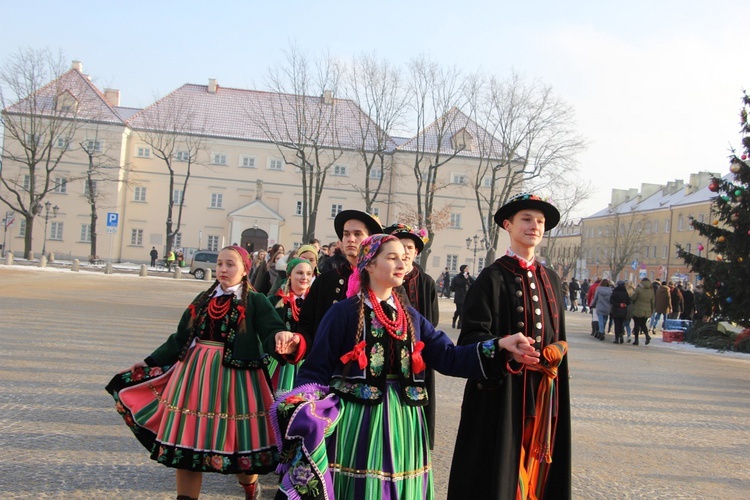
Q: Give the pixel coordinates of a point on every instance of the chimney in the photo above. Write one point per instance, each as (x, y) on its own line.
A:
(112, 96)
(212, 86)
(78, 66)
(328, 97)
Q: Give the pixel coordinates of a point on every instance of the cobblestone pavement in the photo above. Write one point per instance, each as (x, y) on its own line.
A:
(660, 422)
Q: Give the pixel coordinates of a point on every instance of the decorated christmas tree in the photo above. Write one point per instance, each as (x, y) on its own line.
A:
(726, 275)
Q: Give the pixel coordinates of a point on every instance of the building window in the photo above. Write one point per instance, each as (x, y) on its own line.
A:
(376, 173)
(217, 200)
(340, 170)
(22, 228)
(61, 185)
(139, 194)
(700, 218)
(275, 165)
(451, 262)
(144, 152)
(666, 225)
(487, 182)
(298, 208)
(55, 230)
(93, 146)
(34, 140)
(459, 179)
(213, 243)
(689, 248)
(247, 161)
(664, 252)
(646, 252)
(653, 252)
(480, 264)
(455, 220)
(177, 243)
(85, 233)
(335, 209)
(680, 223)
(219, 159)
(26, 182)
(656, 226)
(177, 197)
(375, 212)
(63, 143)
(136, 237)
(182, 156)
(89, 189)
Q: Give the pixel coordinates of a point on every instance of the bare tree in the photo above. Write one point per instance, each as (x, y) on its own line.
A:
(40, 119)
(301, 121)
(533, 144)
(567, 202)
(624, 236)
(377, 89)
(170, 130)
(436, 95)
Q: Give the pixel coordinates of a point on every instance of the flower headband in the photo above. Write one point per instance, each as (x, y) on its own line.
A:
(369, 248)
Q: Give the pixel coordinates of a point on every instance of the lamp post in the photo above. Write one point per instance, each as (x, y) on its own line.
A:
(38, 210)
(468, 247)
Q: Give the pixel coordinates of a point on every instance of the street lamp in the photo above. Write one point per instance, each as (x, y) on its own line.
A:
(38, 210)
(468, 247)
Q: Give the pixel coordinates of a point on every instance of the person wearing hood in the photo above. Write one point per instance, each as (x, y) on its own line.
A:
(643, 307)
(602, 306)
(619, 301)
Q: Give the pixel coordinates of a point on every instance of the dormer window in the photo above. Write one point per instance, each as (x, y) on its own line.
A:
(66, 103)
(462, 140)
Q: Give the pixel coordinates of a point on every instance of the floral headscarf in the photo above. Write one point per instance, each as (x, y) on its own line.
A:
(367, 251)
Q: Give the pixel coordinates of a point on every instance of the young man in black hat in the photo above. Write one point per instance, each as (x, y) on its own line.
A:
(511, 427)
(352, 227)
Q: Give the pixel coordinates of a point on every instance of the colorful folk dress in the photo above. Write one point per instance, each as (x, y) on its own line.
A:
(199, 414)
(283, 375)
(354, 427)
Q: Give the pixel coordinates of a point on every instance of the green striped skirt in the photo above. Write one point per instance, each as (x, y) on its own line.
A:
(381, 451)
(200, 415)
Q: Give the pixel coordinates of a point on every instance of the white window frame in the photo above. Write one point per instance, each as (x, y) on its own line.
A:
(451, 262)
(217, 200)
(340, 171)
(455, 221)
(86, 187)
(182, 156)
(85, 233)
(666, 226)
(487, 181)
(219, 159)
(375, 211)
(22, 228)
(298, 208)
(177, 196)
(247, 161)
(335, 209)
(680, 223)
(55, 231)
(664, 251)
(139, 194)
(376, 173)
(177, 242)
(26, 182)
(275, 165)
(136, 237)
(61, 185)
(459, 178)
(62, 143)
(213, 243)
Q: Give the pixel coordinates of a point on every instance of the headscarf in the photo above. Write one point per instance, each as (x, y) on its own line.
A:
(367, 251)
(243, 255)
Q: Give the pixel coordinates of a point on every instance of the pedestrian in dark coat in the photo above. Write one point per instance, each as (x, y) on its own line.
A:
(689, 302)
(459, 286)
(678, 301)
(643, 308)
(619, 301)
(574, 288)
(499, 419)
(584, 295)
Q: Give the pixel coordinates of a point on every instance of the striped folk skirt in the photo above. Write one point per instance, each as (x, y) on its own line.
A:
(200, 415)
(283, 377)
(381, 451)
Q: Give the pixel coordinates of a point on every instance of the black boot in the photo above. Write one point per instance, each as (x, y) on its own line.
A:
(617, 338)
(635, 342)
(648, 339)
(455, 316)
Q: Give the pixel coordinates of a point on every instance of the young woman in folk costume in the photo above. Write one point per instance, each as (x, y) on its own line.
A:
(354, 426)
(199, 403)
(288, 302)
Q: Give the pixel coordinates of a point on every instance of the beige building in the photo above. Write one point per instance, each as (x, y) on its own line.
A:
(244, 185)
(641, 228)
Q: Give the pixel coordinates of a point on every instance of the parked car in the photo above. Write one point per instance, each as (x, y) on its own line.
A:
(202, 261)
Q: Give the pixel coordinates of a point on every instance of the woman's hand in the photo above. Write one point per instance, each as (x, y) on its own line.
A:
(139, 364)
(286, 342)
(520, 347)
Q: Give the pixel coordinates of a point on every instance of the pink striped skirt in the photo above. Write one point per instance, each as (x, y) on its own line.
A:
(202, 416)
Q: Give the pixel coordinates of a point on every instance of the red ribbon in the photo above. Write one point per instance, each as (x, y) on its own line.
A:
(417, 363)
(241, 310)
(358, 354)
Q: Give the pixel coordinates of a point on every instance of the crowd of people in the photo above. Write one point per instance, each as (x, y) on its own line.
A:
(317, 364)
(631, 310)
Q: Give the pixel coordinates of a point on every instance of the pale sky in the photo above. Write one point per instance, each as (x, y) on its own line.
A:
(655, 85)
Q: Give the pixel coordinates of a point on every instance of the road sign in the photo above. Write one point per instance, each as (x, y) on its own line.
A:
(634, 265)
(111, 230)
(112, 219)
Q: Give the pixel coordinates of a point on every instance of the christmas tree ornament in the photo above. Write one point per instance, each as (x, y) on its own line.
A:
(738, 192)
(715, 223)
(719, 257)
(700, 247)
(735, 217)
(740, 259)
(735, 167)
(725, 197)
(744, 157)
(729, 300)
(721, 239)
(714, 186)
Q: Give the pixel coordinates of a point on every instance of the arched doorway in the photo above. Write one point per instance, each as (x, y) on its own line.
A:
(254, 239)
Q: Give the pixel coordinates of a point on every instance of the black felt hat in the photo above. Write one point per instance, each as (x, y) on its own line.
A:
(528, 201)
(372, 224)
(404, 231)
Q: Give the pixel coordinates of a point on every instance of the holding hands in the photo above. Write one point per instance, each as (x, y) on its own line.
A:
(287, 342)
(521, 348)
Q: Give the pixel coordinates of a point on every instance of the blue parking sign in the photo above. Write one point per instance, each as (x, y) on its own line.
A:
(112, 219)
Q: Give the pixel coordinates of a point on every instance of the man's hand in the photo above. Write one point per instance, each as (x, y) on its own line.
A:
(521, 349)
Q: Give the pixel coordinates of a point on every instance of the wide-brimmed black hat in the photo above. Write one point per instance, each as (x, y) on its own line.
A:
(372, 224)
(404, 231)
(528, 201)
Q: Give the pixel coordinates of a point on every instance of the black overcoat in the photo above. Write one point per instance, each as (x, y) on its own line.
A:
(487, 453)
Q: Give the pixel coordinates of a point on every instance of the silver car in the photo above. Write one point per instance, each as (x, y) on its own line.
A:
(202, 261)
